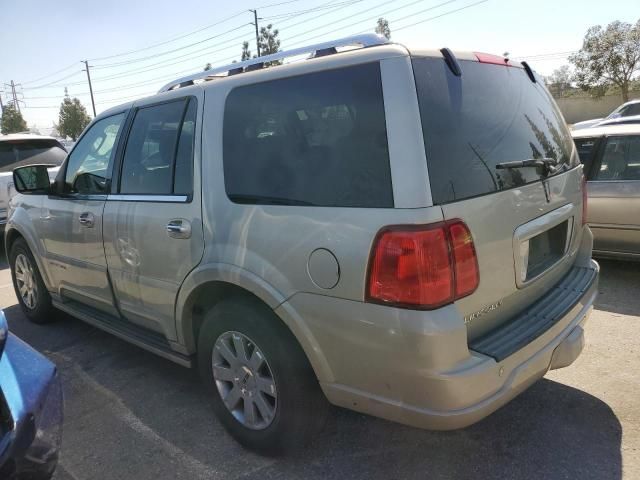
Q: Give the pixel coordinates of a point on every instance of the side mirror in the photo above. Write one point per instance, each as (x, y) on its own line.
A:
(32, 179)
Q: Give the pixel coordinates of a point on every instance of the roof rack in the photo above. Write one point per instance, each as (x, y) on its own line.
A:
(317, 50)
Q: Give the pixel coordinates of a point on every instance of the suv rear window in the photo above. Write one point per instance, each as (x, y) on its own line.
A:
(15, 153)
(489, 115)
(317, 139)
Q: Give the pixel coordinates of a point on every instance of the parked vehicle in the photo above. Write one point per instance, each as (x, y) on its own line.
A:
(401, 230)
(628, 109)
(611, 156)
(25, 149)
(619, 121)
(30, 410)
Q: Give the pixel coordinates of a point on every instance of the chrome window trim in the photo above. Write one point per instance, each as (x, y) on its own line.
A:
(148, 198)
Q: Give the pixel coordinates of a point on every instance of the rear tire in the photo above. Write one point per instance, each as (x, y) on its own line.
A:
(268, 398)
(31, 291)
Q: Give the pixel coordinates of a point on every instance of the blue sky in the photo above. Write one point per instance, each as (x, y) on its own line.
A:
(43, 41)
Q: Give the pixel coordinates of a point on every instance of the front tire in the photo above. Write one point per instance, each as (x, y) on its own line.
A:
(31, 291)
(264, 391)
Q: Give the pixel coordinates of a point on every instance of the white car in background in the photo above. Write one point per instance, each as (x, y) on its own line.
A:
(628, 109)
(17, 150)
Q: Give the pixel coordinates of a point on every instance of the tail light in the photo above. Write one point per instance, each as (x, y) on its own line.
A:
(584, 200)
(423, 267)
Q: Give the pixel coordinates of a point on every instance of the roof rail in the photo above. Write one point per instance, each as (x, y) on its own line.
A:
(320, 49)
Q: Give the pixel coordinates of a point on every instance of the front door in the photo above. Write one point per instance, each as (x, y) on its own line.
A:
(152, 224)
(614, 196)
(72, 218)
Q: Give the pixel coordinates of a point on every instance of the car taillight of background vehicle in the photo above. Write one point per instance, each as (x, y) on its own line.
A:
(423, 267)
(584, 200)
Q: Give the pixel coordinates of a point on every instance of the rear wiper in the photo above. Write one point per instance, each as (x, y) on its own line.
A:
(548, 165)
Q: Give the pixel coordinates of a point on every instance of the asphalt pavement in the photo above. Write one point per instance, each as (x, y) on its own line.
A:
(132, 415)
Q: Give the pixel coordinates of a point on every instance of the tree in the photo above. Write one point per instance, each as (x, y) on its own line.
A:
(560, 81)
(609, 56)
(12, 121)
(382, 28)
(246, 53)
(207, 67)
(269, 42)
(73, 118)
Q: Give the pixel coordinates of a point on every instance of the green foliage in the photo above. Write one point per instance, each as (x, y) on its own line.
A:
(246, 53)
(559, 82)
(12, 121)
(73, 118)
(269, 42)
(609, 56)
(382, 28)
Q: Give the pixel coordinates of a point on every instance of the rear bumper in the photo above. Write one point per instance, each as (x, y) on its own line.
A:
(416, 368)
(30, 434)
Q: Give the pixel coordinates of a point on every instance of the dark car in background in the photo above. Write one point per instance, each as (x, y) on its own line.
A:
(30, 410)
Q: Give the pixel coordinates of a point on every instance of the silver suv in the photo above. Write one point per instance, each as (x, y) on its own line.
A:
(397, 231)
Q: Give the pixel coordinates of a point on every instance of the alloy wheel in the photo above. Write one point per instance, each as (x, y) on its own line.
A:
(26, 280)
(244, 380)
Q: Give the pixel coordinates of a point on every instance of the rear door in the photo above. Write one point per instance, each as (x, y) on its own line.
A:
(614, 196)
(152, 224)
(525, 222)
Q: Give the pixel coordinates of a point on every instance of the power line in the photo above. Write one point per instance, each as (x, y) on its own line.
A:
(123, 54)
(127, 62)
(309, 10)
(54, 82)
(306, 39)
(442, 15)
(51, 74)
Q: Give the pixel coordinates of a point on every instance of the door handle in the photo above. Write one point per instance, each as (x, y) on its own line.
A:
(87, 219)
(179, 228)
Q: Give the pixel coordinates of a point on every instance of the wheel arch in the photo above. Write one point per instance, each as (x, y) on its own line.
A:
(13, 233)
(205, 287)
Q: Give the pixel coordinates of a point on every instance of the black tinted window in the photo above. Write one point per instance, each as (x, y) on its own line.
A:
(89, 164)
(148, 165)
(16, 153)
(620, 160)
(633, 109)
(489, 115)
(317, 139)
(586, 148)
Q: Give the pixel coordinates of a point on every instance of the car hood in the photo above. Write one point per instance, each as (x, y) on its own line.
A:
(586, 123)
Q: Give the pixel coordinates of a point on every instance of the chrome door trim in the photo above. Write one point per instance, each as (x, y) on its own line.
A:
(149, 198)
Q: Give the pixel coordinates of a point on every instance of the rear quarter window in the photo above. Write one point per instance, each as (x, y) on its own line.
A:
(317, 139)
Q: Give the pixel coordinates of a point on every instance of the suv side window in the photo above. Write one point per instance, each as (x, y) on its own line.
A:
(159, 134)
(89, 163)
(620, 160)
(317, 139)
(633, 109)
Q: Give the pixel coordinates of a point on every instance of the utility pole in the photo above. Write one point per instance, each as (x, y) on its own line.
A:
(13, 94)
(93, 104)
(255, 23)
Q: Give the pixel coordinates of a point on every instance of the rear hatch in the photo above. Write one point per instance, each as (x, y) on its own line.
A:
(526, 221)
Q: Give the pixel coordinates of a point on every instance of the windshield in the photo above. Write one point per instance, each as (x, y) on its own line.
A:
(490, 115)
(16, 153)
